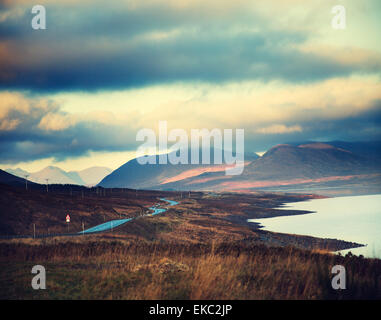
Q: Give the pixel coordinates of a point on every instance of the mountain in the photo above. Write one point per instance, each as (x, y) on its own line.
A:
(89, 177)
(18, 172)
(55, 175)
(10, 179)
(286, 167)
(153, 176)
(92, 176)
(368, 149)
(308, 166)
(312, 160)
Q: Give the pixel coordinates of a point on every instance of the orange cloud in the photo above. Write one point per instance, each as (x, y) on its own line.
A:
(279, 128)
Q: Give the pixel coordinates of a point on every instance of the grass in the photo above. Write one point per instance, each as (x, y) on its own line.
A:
(96, 269)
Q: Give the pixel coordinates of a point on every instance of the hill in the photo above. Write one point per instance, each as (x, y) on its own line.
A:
(12, 180)
(328, 168)
(160, 176)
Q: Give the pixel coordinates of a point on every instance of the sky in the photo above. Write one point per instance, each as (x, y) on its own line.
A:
(75, 94)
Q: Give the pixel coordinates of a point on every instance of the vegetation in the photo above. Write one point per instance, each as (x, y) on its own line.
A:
(105, 268)
(202, 248)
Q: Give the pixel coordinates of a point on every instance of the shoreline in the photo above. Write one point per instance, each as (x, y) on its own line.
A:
(289, 239)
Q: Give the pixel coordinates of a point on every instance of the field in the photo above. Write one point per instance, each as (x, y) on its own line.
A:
(202, 248)
(104, 268)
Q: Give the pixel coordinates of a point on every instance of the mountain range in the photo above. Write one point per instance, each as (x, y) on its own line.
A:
(306, 166)
(152, 176)
(329, 168)
(54, 175)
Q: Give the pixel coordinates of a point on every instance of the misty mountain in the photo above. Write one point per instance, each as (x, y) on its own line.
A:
(54, 175)
(18, 172)
(92, 176)
(10, 179)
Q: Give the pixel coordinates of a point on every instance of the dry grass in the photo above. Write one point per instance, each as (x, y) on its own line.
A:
(144, 270)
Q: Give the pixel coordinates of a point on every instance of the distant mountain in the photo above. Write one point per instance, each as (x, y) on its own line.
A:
(304, 167)
(134, 175)
(307, 165)
(312, 160)
(92, 176)
(18, 172)
(54, 175)
(10, 179)
(75, 177)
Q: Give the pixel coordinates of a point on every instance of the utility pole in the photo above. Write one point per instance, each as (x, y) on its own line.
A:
(34, 231)
(26, 182)
(47, 183)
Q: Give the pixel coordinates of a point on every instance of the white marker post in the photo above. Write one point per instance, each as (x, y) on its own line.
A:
(67, 221)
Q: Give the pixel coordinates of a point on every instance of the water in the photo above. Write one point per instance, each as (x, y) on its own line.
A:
(115, 223)
(356, 219)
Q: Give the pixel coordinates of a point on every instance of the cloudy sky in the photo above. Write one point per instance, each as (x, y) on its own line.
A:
(75, 94)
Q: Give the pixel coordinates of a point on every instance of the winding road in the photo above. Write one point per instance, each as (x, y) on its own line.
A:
(109, 225)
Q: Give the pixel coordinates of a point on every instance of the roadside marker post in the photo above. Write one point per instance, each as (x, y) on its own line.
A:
(68, 221)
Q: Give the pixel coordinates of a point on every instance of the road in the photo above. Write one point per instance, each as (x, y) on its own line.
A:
(109, 225)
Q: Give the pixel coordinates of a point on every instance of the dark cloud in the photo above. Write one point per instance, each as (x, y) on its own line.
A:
(364, 126)
(91, 49)
(74, 142)
(100, 47)
(32, 141)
